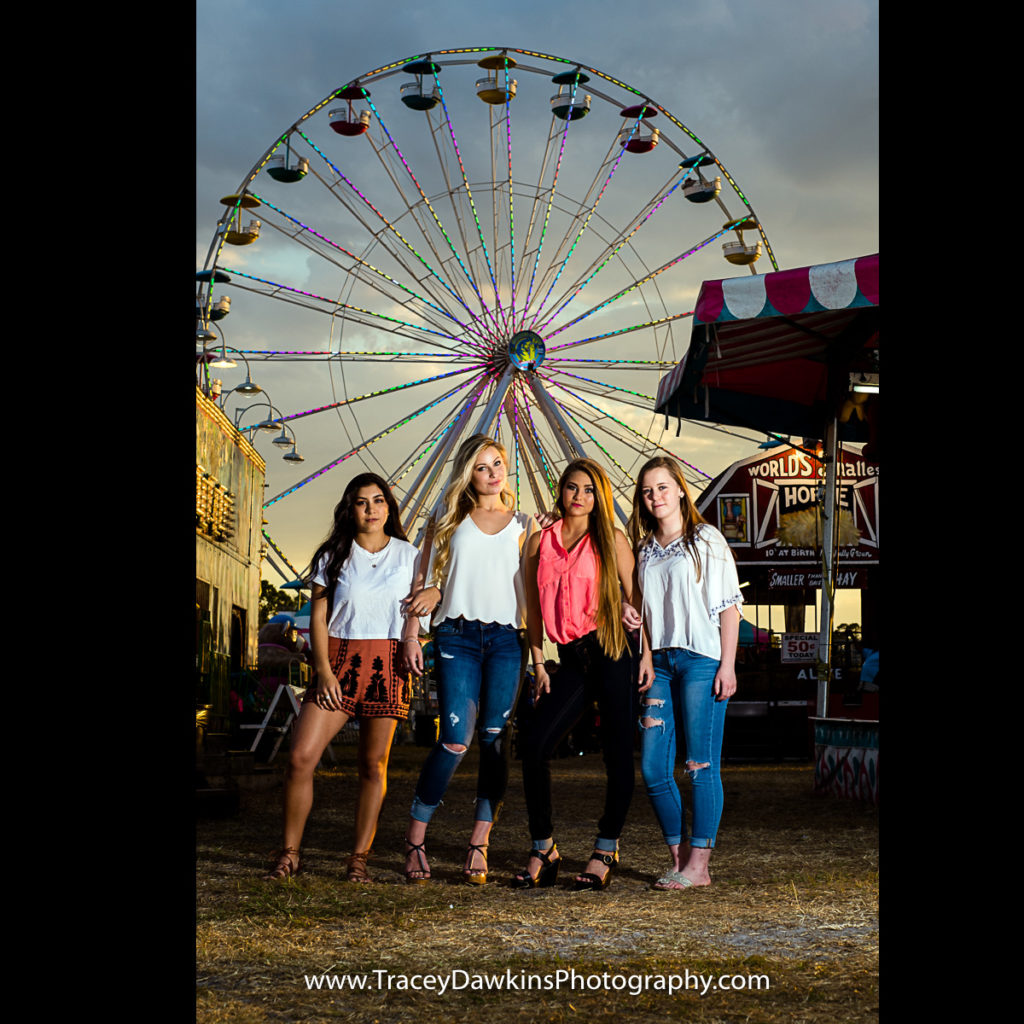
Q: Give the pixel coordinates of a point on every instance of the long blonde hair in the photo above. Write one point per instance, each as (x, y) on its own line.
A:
(460, 499)
(610, 634)
(642, 524)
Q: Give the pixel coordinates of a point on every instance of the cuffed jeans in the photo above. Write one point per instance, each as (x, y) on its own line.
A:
(682, 698)
(585, 673)
(479, 670)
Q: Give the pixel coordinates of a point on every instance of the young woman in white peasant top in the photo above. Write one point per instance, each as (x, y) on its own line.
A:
(689, 587)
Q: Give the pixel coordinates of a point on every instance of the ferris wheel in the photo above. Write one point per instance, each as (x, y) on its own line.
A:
(478, 240)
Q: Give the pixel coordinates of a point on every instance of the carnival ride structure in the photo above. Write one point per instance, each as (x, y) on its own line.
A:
(488, 240)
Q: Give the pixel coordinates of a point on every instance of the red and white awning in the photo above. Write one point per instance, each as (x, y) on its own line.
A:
(762, 345)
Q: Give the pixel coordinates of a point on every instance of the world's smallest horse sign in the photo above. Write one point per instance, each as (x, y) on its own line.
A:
(768, 507)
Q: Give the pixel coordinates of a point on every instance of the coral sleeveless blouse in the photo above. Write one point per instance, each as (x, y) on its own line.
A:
(567, 581)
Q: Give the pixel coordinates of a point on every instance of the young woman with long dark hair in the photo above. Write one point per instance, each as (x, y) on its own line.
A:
(576, 570)
(359, 576)
(472, 585)
(686, 575)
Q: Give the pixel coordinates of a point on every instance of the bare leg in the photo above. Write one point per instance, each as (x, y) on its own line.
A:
(476, 862)
(417, 831)
(595, 867)
(678, 856)
(375, 736)
(534, 865)
(416, 864)
(696, 866)
(313, 730)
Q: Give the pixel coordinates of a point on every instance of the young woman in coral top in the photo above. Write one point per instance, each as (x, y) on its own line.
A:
(574, 569)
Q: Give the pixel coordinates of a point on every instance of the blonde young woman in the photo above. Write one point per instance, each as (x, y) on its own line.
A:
(472, 586)
(574, 569)
(691, 599)
(360, 575)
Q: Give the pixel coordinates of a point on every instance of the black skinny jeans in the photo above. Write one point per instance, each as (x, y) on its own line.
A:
(585, 673)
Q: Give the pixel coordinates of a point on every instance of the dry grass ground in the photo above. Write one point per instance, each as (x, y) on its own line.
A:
(794, 898)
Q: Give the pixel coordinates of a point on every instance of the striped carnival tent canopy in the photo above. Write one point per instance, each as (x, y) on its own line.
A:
(775, 352)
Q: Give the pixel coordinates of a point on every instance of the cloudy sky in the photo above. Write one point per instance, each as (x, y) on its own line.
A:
(784, 93)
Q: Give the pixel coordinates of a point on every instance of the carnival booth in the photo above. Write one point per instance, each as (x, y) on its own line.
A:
(796, 353)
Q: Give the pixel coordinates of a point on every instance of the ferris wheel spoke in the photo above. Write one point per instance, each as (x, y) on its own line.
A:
(423, 196)
(603, 393)
(392, 242)
(364, 444)
(604, 415)
(612, 248)
(527, 465)
(535, 196)
(629, 365)
(608, 455)
(531, 437)
(410, 207)
(365, 317)
(636, 284)
(558, 416)
(551, 200)
(327, 356)
(624, 330)
(603, 388)
(429, 442)
(586, 222)
(564, 436)
(438, 429)
(451, 190)
(328, 254)
(483, 426)
(574, 219)
(472, 204)
(417, 495)
(387, 224)
(375, 394)
(511, 205)
(637, 443)
(508, 407)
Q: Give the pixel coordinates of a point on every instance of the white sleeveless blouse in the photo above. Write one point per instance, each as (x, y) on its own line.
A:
(485, 578)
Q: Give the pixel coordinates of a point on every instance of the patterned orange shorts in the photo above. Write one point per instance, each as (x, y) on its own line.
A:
(371, 686)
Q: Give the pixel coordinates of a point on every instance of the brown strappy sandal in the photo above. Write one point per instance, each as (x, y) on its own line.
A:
(283, 865)
(356, 869)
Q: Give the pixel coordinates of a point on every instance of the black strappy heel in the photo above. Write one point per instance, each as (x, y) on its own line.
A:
(588, 881)
(423, 869)
(546, 877)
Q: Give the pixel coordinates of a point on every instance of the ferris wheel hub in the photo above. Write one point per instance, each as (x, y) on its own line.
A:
(526, 350)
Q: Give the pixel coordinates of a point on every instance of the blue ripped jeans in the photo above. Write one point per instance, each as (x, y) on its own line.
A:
(479, 668)
(682, 699)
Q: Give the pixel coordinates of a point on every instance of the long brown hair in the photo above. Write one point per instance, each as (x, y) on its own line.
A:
(460, 498)
(610, 634)
(642, 524)
(338, 544)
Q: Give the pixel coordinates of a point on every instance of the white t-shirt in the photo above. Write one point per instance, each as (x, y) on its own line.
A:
(485, 579)
(679, 611)
(368, 591)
